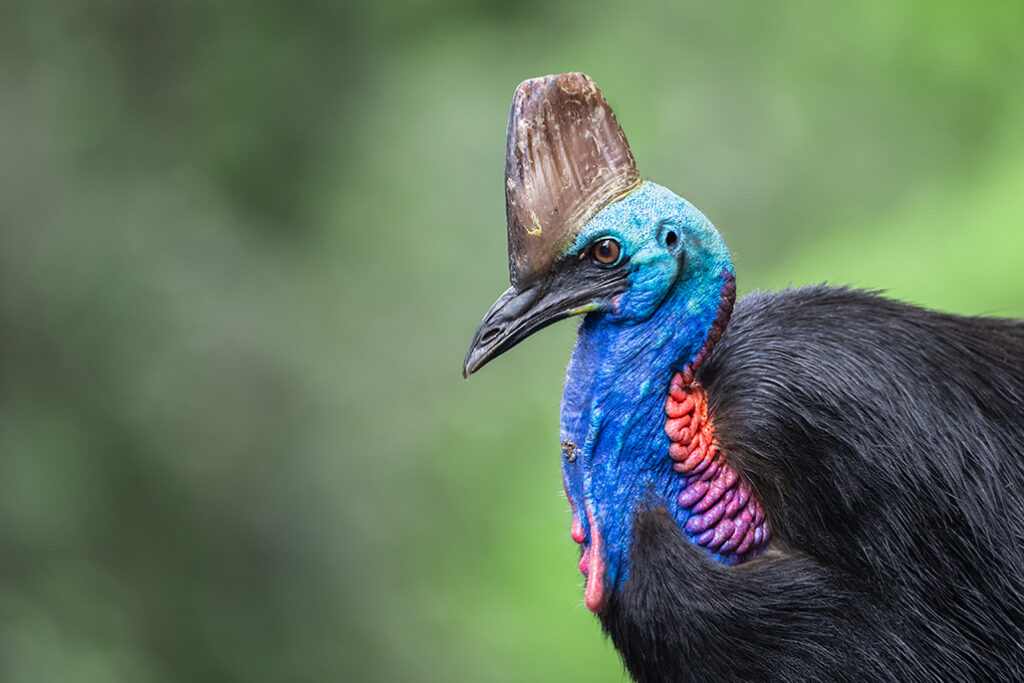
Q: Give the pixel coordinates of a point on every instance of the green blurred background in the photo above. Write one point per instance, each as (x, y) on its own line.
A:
(244, 245)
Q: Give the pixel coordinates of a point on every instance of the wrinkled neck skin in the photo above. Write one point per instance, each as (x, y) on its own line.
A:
(613, 405)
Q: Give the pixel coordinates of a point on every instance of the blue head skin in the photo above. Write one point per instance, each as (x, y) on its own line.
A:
(625, 355)
(648, 315)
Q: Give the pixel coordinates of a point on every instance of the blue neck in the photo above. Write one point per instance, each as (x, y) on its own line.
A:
(613, 407)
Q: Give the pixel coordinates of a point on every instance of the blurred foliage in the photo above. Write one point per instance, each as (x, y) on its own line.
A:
(243, 247)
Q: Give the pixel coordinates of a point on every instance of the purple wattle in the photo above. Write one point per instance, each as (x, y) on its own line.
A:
(693, 493)
(726, 516)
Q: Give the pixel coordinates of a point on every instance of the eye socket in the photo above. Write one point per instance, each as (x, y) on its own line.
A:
(671, 239)
(606, 252)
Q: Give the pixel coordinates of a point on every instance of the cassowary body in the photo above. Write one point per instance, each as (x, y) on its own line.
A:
(819, 483)
(885, 441)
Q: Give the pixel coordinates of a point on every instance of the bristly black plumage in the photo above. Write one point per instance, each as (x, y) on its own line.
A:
(887, 444)
(876, 446)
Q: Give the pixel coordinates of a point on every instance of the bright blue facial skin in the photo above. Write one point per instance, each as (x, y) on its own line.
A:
(613, 405)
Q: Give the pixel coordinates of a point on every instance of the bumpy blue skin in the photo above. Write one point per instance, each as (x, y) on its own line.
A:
(626, 353)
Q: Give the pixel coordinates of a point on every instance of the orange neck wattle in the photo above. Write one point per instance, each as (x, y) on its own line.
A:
(725, 515)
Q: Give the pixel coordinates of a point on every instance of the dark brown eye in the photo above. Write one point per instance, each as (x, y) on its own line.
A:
(606, 252)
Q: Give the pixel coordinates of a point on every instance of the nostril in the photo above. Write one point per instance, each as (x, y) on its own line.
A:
(671, 239)
(489, 335)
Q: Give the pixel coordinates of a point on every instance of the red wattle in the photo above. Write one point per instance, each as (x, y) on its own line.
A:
(595, 596)
(577, 530)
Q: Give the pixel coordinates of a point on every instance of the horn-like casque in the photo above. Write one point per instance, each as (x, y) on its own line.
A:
(566, 159)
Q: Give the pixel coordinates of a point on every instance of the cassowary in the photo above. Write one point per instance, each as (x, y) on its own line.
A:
(817, 483)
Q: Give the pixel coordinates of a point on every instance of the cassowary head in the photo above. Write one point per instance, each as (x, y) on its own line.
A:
(587, 235)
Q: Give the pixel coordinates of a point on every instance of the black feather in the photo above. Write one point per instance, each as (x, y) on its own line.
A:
(887, 445)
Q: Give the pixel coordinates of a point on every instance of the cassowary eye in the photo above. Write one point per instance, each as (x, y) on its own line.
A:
(606, 252)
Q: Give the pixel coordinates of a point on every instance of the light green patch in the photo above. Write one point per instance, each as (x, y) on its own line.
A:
(585, 308)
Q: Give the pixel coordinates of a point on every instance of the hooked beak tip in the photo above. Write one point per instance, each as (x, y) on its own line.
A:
(571, 289)
(476, 358)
